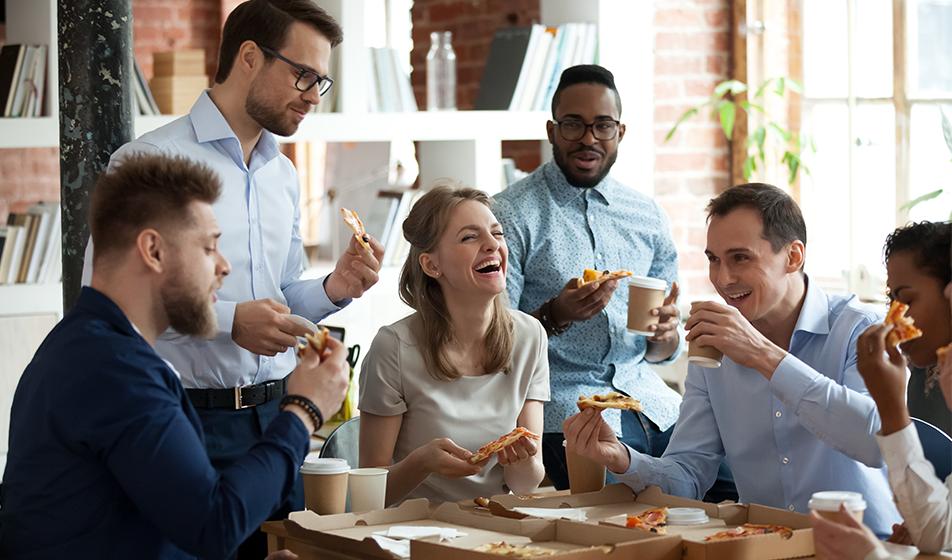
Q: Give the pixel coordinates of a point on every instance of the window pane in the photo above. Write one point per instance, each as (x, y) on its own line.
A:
(929, 45)
(824, 192)
(874, 183)
(930, 168)
(873, 49)
(824, 48)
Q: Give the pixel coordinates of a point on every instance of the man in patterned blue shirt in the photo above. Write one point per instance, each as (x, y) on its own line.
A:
(567, 216)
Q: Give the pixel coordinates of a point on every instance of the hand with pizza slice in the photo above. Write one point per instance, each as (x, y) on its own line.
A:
(514, 447)
(587, 434)
(322, 374)
(584, 297)
(357, 269)
(847, 540)
(884, 368)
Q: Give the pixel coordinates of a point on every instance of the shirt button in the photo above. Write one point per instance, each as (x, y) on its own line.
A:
(791, 507)
(598, 256)
(778, 414)
(786, 460)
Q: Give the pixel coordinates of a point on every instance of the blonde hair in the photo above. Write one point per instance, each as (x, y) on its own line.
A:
(423, 228)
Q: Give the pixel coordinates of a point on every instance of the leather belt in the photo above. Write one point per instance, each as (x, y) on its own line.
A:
(238, 398)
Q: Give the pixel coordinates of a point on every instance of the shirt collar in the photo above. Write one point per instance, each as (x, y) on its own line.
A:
(815, 313)
(98, 303)
(210, 125)
(565, 193)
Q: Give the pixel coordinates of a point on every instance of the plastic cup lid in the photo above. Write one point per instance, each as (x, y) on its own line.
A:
(368, 471)
(646, 282)
(830, 501)
(325, 466)
(704, 361)
(687, 516)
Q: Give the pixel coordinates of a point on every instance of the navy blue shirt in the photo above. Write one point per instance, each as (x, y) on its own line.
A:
(107, 457)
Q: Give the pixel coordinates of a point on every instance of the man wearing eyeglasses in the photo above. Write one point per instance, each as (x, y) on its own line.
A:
(567, 216)
(272, 70)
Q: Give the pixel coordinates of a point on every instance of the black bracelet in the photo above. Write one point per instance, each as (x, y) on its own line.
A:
(548, 323)
(308, 406)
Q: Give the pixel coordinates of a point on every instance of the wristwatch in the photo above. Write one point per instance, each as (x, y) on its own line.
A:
(545, 317)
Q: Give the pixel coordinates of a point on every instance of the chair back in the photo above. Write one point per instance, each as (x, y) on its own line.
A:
(344, 442)
(936, 446)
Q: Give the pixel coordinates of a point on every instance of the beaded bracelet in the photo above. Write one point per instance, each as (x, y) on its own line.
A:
(308, 406)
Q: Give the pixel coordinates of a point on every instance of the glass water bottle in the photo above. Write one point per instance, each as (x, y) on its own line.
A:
(441, 73)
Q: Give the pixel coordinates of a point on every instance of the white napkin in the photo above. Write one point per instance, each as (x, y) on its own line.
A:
(571, 514)
(417, 532)
(400, 548)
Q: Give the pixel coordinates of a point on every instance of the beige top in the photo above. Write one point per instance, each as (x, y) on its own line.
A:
(471, 411)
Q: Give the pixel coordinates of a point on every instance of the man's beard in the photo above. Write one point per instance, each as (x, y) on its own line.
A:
(268, 118)
(189, 311)
(583, 183)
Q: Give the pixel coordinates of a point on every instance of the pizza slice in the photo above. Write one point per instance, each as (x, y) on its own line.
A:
(501, 443)
(610, 400)
(749, 530)
(353, 220)
(315, 341)
(503, 548)
(590, 276)
(903, 328)
(653, 521)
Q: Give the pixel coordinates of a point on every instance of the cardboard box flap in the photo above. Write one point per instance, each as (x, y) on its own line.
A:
(613, 493)
(654, 496)
(535, 529)
(410, 509)
(775, 516)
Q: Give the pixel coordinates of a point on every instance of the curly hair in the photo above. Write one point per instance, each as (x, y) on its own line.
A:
(930, 244)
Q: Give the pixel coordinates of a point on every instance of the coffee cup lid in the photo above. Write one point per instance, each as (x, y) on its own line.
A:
(687, 516)
(326, 465)
(830, 501)
(368, 471)
(704, 361)
(646, 282)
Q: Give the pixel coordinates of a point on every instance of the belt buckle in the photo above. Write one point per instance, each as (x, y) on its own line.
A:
(238, 404)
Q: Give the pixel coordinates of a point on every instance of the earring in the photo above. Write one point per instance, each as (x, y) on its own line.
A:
(437, 274)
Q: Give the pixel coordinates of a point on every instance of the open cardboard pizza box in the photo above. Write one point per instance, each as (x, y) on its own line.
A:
(611, 505)
(350, 535)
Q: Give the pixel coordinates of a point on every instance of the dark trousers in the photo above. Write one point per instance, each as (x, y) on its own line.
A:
(642, 435)
(229, 434)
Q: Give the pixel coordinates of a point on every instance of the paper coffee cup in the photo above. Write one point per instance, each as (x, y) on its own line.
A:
(585, 475)
(368, 489)
(704, 356)
(325, 485)
(827, 504)
(644, 294)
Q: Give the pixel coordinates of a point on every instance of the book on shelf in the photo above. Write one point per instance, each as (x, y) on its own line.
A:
(31, 246)
(143, 97)
(22, 80)
(390, 83)
(525, 64)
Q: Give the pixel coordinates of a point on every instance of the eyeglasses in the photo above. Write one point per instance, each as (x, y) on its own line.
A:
(306, 78)
(573, 130)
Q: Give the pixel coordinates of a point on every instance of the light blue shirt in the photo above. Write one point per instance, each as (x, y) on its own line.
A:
(811, 427)
(554, 231)
(259, 214)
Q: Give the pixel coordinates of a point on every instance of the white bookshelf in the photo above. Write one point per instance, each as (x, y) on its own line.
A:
(29, 299)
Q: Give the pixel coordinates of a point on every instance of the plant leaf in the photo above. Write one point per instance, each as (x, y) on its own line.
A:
(684, 116)
(749, 166)
(763, 87)
(759, 137)
(781, 86)
(727, 112)
(946, 129)
(729, 86)
(747, 106)
(920, 199)
(794, 86)
(784, 133)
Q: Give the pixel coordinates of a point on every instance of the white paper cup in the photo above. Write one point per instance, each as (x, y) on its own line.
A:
(325, 485)
(368, 489)
(827, 504)
(644, 294)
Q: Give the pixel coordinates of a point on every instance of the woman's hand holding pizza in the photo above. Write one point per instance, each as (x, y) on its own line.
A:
(884, 370)
(443, 457)
(522, 450)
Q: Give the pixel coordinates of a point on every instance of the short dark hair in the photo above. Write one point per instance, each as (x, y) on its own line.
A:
(585, 74)
(146, 191)
(266, 22)
(783, 221)
(930, 244)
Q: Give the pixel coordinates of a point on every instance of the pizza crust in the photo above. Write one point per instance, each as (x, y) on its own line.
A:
(609, 400)
(501, 443)
(904, 328)
(316, 341)
(353, 220)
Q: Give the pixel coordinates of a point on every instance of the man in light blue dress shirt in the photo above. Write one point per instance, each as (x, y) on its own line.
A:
(272, 71)
(567, 216)
(788, 408)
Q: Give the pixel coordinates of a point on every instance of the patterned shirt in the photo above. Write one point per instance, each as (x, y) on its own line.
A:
(554, 232)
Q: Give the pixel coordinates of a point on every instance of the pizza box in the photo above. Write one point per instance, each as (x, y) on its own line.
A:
(612, 504)
(349, 535)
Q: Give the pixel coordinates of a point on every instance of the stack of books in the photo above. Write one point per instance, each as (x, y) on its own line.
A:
(390, 83)
(525, 64)
(30, 247)
(22, 80)
(178, 79)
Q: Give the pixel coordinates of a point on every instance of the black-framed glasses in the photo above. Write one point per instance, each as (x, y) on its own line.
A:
(573, 130)
(306, 78)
